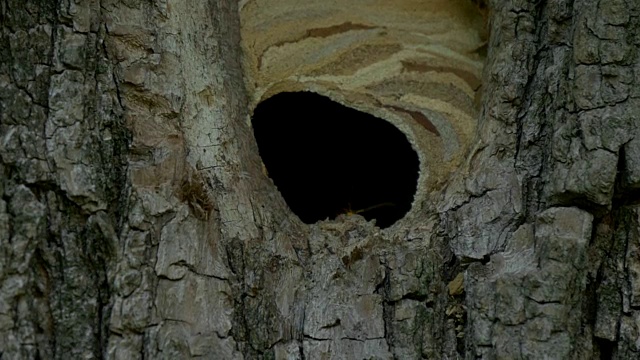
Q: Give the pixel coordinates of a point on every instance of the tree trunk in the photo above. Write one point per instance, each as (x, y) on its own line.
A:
(136, 220)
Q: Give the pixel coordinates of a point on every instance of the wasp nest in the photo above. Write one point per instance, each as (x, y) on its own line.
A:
(414, 63)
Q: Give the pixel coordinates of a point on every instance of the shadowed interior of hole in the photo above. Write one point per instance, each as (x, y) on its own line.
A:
(327, 159)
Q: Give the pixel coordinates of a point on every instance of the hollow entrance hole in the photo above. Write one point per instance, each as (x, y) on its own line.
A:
(327, 159)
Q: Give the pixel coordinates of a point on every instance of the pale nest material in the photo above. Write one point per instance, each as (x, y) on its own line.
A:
(414, 63)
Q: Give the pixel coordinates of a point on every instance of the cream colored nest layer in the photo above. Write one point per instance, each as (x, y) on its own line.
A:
(415, 63)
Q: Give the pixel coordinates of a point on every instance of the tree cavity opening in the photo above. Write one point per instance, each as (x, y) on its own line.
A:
(327, 159)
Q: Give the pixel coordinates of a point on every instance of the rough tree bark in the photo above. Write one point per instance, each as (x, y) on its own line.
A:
(135, 221)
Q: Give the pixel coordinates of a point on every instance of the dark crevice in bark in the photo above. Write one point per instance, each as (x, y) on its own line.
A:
(3, 12)
(114, 75)
(461, 343)
(240, 330)
(451, 267)
(590, 305)
(623, 196)
(115, 158)
(94, 263)
(309, 337)
(303, 356)
(606, 348)
(610, 246)
(533, 156)
(104, 311)
(42, 292)
(388, 310)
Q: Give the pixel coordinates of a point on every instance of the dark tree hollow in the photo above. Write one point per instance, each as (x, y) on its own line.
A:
(327, 159)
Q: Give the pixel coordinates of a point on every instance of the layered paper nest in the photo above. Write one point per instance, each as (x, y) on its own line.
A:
(414, 63)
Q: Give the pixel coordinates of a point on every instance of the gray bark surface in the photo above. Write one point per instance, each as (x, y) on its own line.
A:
(136, 221)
